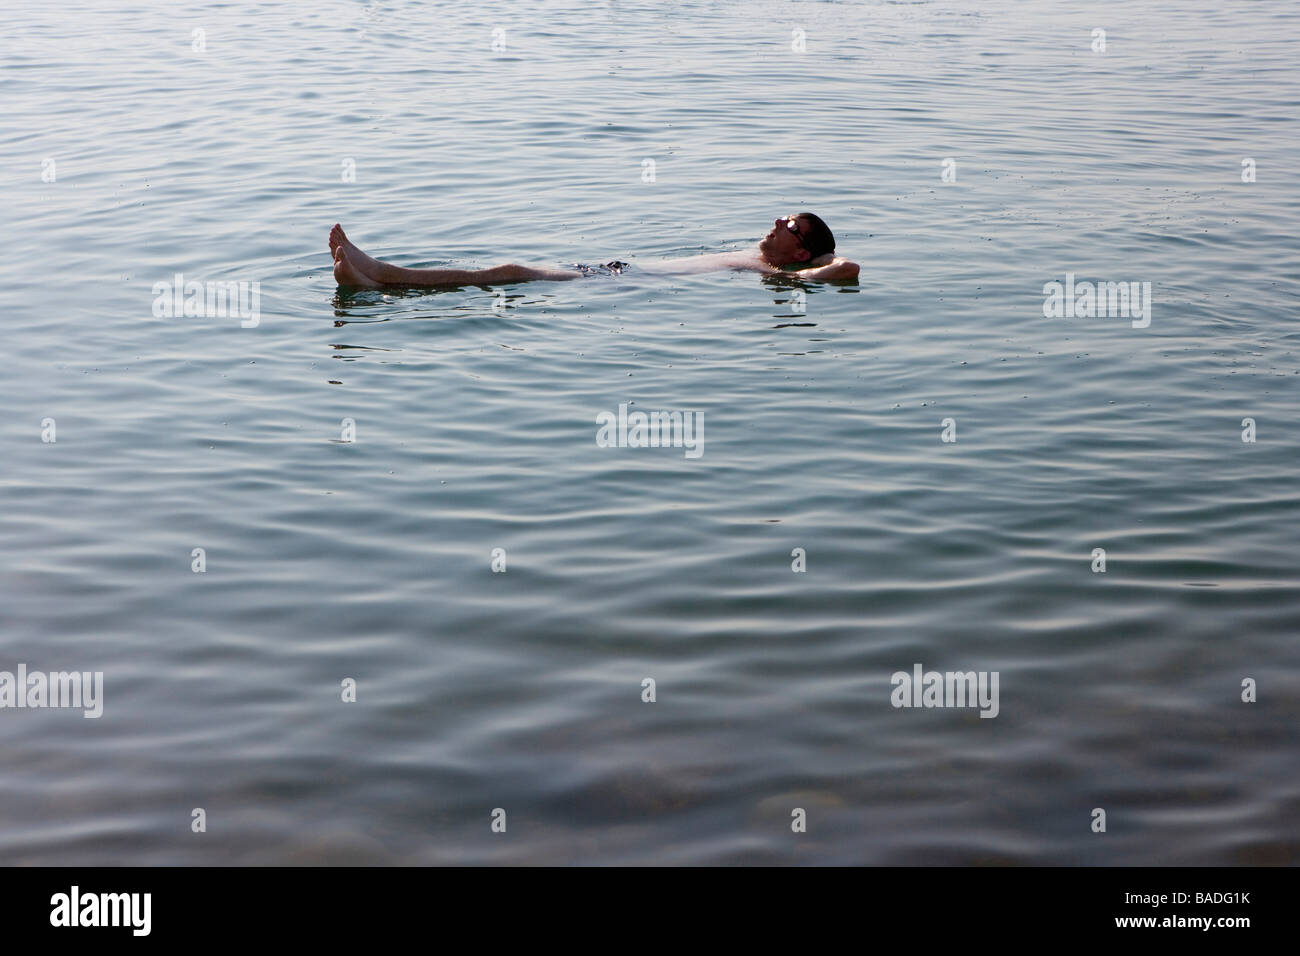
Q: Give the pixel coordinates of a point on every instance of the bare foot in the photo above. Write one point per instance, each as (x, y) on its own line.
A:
(347, 272)
(336, 237)
(360, 261)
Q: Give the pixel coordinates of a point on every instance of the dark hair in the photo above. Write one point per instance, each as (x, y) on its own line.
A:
(815, 235)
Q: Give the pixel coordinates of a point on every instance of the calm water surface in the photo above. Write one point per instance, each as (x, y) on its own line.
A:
(475, 430)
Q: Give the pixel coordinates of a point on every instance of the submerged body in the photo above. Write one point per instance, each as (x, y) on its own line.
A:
(739, 261)
(793, 241)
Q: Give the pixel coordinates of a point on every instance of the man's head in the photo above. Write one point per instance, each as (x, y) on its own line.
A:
(796, 238)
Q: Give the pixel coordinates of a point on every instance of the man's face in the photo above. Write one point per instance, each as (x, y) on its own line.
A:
(781, 245)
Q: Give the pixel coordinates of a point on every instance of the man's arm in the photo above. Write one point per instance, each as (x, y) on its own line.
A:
(836, 268)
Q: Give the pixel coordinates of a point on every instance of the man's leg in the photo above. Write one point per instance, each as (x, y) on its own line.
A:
(389, 274)
(353, 267)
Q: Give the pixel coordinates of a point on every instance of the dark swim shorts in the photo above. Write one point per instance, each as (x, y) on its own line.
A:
(614, 268)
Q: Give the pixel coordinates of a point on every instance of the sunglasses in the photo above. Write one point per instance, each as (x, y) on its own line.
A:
(792, 224)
